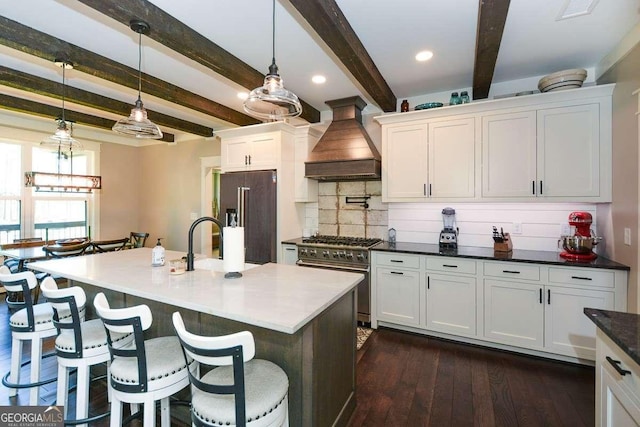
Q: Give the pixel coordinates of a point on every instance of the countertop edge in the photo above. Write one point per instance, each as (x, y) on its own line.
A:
(620, 327)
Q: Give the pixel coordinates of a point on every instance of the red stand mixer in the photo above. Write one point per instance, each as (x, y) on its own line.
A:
(579, 247)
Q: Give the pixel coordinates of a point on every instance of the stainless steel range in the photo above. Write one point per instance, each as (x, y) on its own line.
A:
(341, 253)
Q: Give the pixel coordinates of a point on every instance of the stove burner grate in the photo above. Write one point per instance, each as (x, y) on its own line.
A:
(364, 242)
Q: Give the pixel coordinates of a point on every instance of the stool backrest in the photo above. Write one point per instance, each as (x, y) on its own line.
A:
(234, 349)
(68, 311)
(23, 282)
(134, 320)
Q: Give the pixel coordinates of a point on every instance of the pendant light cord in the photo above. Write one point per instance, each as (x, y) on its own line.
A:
(64, 65)
(273, 32)
(139, 64)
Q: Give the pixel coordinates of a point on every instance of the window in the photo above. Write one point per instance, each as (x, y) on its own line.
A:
(27, 213)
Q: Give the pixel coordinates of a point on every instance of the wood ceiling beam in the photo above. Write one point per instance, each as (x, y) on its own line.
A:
(170, 32)
(21, 105)
(30, 83)
(37, 43)
(328, 21)
(492, 16)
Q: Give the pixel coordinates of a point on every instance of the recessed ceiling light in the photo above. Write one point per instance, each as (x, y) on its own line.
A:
(318, 79)
(425, 55)
(243, 95)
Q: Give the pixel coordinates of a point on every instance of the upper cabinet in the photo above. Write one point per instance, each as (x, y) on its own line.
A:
(250, 152)
(552, 147)
(431, 160)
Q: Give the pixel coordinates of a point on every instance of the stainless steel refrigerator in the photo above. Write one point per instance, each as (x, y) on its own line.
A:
(252, 195)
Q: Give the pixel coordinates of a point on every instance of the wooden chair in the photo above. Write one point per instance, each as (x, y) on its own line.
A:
(98, 246)
(55, 251)
(138, 240)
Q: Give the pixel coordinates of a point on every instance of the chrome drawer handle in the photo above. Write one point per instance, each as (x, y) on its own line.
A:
(616, 366)
(581, 278)
(511, 271)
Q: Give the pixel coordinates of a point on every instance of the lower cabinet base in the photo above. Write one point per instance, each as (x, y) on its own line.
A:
(488, 344)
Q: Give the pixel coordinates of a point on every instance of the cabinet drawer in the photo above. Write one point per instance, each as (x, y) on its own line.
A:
(582, 277)
(609, 356)
(510, 270)
(451, 265)
(397, 260)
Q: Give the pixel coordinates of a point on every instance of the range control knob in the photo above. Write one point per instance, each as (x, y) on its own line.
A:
(325, 254)
(349, 255)
(303, 251)
(312, 252)
(361, 256)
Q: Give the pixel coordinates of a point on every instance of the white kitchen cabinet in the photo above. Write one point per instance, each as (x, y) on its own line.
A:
(451, 304)
(429, 160)
(509, 154)
(552, 146)
(306, 189)
(251, 152)
(398, 296)
(289, 253)
(514, 313)
(617, 390)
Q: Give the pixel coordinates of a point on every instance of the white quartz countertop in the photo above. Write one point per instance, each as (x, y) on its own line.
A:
(274, 296)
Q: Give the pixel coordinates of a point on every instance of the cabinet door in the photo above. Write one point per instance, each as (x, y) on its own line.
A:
(567, 330)
(234, 154)
(405, 155)
(289, 254)
(617, 407)
(569, 151)
(452, 158)
(263, 152)
(398, 296)
(509, 155)
(451, 304)
(513, 313)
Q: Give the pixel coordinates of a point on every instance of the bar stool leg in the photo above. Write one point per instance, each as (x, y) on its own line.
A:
(16, 358)
(36, 360)
(116, 413)
(62, 388)
(149, 414)
(165, 414)
(82, 393)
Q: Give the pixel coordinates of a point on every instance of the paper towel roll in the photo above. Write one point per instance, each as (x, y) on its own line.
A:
(233, 249)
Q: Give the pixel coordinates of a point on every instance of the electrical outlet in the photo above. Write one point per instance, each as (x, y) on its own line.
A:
(565, 229)
(627, 236)
(516, 228)
(193, 216)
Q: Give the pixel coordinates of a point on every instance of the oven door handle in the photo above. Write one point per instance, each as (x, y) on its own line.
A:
(333, 267)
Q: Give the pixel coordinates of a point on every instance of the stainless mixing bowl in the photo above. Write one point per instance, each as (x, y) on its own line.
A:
(579, 244)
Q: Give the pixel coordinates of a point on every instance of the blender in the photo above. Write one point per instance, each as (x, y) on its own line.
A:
(579, 247)
(449, 234)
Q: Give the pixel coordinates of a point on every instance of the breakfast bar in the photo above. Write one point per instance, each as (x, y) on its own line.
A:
(302, 319)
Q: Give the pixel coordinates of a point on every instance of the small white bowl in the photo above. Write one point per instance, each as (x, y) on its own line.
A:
(565, 79)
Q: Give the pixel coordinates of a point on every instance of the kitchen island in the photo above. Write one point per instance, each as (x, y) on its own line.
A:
(304, 320)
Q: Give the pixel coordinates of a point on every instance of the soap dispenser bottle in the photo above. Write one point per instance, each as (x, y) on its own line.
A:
(157, 255)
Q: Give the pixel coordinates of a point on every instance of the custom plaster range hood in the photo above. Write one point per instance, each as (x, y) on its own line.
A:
(345, 152)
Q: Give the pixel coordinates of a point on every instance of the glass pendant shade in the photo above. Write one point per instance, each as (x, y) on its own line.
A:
(272, 101)
(62, 137)
(137, 124)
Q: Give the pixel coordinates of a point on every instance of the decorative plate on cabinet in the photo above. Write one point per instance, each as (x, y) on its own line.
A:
(428, 105)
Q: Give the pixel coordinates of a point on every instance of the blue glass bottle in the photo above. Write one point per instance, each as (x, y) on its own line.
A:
(455, 99)
(464, 97)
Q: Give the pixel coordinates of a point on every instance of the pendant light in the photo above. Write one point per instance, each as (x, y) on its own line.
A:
(62, 137)
(272, 101)
(64, 142)
(137, 124)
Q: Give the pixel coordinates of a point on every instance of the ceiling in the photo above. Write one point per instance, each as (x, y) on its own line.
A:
(199, 54)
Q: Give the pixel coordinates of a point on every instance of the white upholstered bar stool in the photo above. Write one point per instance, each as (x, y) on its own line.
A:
(32, 323)
(80, 345)
(259, 387)
(145, 371)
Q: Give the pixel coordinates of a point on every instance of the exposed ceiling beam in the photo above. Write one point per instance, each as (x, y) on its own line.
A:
(30, 83)
(328, 21)
(170, 32)
(21, 105)
(492, 15)
(37, 43)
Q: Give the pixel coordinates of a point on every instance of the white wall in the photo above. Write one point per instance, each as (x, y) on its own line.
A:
(541, 223)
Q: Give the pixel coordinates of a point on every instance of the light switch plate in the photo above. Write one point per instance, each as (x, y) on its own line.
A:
(627, 236)
(193, 216)
(516, 228)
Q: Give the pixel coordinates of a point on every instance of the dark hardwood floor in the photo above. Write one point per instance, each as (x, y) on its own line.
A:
(413, 380)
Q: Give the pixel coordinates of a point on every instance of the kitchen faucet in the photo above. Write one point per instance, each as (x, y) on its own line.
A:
(190, 256)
